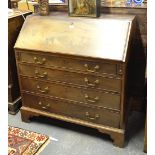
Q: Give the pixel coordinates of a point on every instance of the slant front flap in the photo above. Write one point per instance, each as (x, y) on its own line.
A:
(99, 37)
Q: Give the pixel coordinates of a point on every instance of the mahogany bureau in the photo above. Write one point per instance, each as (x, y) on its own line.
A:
(75, 69)
(119, 7)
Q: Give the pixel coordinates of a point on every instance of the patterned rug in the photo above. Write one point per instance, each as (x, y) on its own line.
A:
(24, 142)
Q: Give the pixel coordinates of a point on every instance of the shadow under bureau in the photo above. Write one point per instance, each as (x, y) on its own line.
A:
(76, 69)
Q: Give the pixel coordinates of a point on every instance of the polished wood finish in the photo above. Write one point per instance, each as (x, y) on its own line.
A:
(74, 110)
(15, 22)
(80, 81)
(85, 38)
(138, 63)
(73, 93)
(102, 82)
(80, 65)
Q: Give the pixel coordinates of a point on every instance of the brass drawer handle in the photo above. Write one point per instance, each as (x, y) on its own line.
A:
(39, 62)
(40, 76)
(91, 84)
(91, 100)
(91, 70)
(43, 91)
(91, 117)
(44, 107)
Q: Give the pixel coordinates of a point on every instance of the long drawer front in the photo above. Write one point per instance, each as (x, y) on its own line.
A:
(95, 115)
(98, 82)
(77, 94)
(75, 64)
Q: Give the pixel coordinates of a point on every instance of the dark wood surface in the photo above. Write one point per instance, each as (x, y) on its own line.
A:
(102, 82)
(15, 22)
(88, 95)
(138, 64)
(75, 110)
(100, 102)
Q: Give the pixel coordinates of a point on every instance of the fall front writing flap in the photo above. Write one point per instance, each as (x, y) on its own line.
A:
(100, 37)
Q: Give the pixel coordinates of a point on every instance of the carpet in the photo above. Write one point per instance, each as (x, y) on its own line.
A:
(25, 142)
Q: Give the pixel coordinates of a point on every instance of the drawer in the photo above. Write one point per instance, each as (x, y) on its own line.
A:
(69, 63)
(76, 94)
(73, 78)
(94, 115)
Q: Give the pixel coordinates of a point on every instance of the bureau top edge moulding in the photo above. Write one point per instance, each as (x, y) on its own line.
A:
(76, 70)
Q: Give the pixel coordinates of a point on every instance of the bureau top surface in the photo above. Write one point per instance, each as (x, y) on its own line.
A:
(105, 37)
